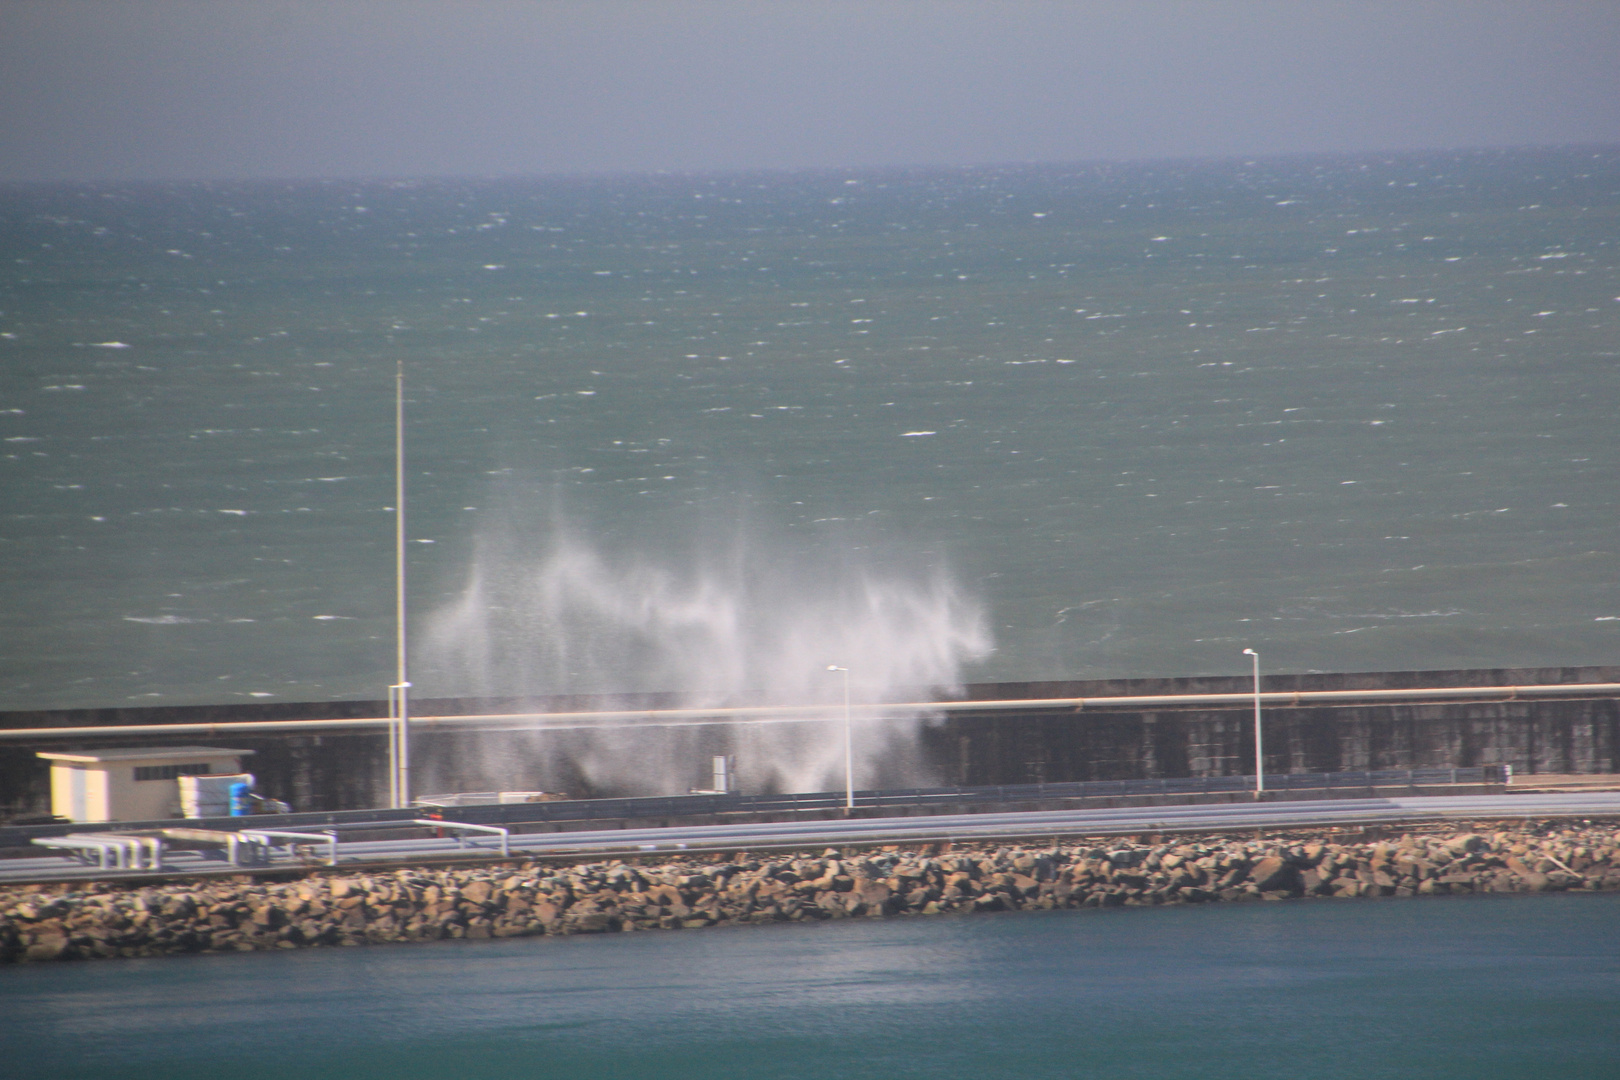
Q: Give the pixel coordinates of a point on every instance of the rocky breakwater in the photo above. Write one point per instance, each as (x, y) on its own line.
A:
(525, 899)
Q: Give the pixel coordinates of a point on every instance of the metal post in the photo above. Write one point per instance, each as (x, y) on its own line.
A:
(399, 744)
(401, 764)
(849, 745)
(393, 747)
(1259, 744)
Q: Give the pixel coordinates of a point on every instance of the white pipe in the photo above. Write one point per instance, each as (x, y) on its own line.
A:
(78, 845)
(504, 834)
(566, 721)
(126, 849)
(264, 837)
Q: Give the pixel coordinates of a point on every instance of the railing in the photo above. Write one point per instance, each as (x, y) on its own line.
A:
(268, 838)
(125, 852)
(678, 806)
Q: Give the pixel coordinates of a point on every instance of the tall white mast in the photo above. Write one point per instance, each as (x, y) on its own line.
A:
(401, 764)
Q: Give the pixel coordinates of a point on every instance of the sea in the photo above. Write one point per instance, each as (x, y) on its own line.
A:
(1456, 987)
(715, 434)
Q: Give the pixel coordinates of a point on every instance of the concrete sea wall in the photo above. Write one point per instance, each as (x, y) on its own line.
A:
(339, 771)
(324, 908)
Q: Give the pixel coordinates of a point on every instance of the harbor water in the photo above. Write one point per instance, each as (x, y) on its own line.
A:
(1462, 987)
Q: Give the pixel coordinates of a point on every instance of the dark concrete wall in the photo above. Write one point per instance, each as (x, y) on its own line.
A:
(1563, 736)
(349, 770)
(1241, 684)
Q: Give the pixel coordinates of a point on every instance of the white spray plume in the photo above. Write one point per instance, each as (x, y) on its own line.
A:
(733, 624)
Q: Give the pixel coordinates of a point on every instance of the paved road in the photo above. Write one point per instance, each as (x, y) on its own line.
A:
(1050, 823)
(1084, 822)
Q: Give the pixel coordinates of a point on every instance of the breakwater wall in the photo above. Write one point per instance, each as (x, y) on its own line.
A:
(348, 770)
(1576, 734)
(99, 921)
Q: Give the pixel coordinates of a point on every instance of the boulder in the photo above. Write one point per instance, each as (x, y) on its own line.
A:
(47, 947)
(1273, 874)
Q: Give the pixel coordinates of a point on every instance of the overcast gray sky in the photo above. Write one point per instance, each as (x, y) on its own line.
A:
(123, 89)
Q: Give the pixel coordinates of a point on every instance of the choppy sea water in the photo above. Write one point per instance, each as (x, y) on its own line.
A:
(1471, 987)
(690, 432)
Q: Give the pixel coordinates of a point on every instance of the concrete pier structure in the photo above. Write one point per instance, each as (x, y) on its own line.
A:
(338, 769)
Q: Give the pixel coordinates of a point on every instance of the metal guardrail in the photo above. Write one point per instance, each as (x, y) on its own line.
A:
(688, 805)
(684, 806)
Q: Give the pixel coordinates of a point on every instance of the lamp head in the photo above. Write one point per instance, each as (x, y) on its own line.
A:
(1250, 652)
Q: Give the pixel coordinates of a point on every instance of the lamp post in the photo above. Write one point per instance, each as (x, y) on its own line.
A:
(1259, 745)
(849, 755)
(399, 693)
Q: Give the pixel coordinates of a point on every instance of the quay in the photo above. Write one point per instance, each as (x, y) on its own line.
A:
(333, 756)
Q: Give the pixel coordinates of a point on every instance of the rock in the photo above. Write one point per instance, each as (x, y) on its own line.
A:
(50, 947)
(416, 905)
(1273, 874)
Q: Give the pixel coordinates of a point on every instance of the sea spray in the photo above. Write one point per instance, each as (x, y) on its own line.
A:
(749, 621)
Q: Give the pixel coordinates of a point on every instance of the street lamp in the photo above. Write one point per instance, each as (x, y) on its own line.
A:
(1259, 746)
(849, 756)
(399, 743)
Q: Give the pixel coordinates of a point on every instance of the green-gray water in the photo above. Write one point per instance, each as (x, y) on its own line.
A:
(1500, 987)
(717, 432)
(713, 433)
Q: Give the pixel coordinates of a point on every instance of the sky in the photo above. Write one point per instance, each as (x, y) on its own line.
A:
(218, 89)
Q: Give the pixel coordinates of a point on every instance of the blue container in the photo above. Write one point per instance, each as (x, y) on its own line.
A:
(241, 802)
